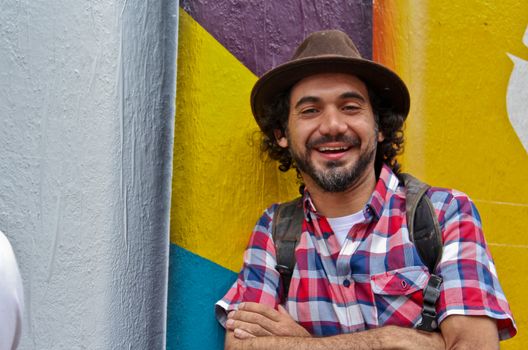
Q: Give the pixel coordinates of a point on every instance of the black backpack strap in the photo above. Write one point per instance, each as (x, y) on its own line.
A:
(424, 231)
(286, 231)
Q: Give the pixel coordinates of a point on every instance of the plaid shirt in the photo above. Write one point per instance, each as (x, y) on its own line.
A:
(376, 278)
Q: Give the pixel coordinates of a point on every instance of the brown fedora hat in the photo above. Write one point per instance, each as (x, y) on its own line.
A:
(327, 52)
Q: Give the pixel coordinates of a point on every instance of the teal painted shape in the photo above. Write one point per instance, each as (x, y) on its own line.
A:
(195, 285)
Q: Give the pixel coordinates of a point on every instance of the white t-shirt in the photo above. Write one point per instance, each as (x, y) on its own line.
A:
(11, 297)
(342, 225)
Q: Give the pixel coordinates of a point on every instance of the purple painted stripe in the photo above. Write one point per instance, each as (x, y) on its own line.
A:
(263, 34)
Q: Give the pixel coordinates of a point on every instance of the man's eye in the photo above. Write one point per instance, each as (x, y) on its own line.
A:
(309, 111)
(351, 107)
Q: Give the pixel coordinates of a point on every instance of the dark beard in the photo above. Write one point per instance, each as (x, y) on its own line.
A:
(334, 178)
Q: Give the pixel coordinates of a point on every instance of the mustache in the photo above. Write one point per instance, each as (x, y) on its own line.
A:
(352, 141)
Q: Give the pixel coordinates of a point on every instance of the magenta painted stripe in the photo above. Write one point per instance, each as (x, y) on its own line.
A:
(262, 33)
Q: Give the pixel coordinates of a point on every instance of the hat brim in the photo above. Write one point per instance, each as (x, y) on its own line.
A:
(385, 82)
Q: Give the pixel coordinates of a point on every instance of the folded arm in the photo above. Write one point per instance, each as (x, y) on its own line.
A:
(470, 332)
(256, 326)
(389, 337)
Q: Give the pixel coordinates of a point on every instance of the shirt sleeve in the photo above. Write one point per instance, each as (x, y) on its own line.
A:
(11, 297)
(258, 281)
(470, 283)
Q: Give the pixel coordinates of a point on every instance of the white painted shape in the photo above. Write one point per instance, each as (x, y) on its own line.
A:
(525, 37)
(517, 99)
(11, 297)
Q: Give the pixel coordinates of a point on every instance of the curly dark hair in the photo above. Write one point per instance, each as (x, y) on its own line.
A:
(389, 123)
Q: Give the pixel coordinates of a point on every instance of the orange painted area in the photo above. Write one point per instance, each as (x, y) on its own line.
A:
(383, 16)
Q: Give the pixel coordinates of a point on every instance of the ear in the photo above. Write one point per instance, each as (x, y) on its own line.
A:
(380, 136)
(280, 137)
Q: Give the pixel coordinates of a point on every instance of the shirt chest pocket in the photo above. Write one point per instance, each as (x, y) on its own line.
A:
(398, 295)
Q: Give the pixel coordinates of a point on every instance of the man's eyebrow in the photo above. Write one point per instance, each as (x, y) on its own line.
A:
(343, 96)
(307, 99)
(352, 94)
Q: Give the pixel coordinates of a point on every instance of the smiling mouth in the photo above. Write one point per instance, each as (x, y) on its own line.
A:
(332, 150)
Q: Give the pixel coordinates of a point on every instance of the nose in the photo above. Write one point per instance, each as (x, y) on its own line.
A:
(333, 122)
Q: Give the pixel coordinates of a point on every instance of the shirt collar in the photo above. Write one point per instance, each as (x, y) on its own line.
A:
(387, 185)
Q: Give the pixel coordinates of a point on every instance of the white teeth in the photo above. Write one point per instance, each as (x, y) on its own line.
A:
(332, 149)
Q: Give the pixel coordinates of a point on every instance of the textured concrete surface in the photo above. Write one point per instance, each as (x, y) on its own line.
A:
(454, 58)
(220, 183)
(190, 323)
(86, 104)
(262, 34)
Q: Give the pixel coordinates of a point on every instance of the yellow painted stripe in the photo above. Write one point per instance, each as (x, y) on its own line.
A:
(220, 184)
(453, 55)
(458, 69)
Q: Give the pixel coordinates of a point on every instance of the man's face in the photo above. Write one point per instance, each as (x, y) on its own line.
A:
(331, 134)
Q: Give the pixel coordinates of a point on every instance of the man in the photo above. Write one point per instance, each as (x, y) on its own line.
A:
(358, 281)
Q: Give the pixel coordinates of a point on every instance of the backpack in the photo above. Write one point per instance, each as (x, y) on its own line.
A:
(424, 231)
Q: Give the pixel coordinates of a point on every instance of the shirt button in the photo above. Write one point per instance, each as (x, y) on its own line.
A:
(346, 283)
(404, 284)
(326, 235)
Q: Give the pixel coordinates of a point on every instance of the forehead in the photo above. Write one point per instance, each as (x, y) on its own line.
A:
(319, 85)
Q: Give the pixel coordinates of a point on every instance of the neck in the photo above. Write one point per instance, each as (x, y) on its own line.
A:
(350, 201)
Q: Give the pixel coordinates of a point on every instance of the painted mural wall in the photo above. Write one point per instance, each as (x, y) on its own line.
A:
(465, 65)
(468, 121)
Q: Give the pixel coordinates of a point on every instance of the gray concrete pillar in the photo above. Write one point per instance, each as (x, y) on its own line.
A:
(87, 95)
